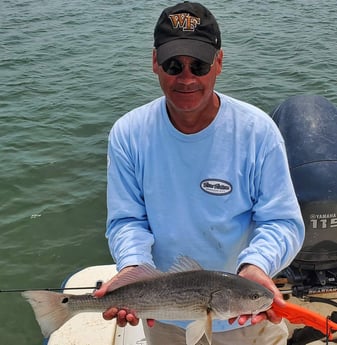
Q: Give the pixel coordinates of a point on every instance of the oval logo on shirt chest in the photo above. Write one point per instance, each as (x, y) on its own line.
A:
(216, 187)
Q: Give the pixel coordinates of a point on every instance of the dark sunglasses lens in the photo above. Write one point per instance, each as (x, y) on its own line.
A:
(175, 67)
(172, 66)
(200, 68)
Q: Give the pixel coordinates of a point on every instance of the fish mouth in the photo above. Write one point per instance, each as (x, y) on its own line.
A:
(266, 306)
(263, 308)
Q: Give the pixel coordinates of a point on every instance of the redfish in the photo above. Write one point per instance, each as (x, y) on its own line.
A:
(186, 292)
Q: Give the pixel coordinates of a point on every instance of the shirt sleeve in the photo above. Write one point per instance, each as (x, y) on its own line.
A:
(278, 226)
(129, 236)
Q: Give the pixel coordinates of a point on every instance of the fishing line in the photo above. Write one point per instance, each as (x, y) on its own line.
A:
(97, 287)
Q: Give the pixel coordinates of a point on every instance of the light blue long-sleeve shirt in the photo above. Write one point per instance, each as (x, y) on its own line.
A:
(222, 196)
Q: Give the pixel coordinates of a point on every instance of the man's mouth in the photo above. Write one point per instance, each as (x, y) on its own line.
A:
(187, 90)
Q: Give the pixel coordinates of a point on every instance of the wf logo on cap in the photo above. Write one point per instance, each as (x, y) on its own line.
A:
(184, 21)
(187, 29)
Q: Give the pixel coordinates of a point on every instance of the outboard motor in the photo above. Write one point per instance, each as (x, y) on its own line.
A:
(309, 127)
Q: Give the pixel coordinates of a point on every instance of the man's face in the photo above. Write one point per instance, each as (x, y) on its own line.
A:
(185, 91)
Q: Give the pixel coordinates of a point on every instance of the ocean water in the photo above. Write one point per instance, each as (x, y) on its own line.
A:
(68, 70)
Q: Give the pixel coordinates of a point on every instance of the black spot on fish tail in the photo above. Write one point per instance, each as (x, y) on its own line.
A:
(65, 300)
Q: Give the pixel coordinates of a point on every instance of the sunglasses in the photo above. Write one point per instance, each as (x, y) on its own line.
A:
(173, 66)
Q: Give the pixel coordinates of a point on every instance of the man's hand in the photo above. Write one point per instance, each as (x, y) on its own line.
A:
(255, 273)
(124, 316)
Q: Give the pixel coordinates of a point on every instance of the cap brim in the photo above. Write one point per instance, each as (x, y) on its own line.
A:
(197, 49)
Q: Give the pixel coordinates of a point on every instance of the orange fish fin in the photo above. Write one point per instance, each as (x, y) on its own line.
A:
(138, 273)
(197, 329)
(184, 264)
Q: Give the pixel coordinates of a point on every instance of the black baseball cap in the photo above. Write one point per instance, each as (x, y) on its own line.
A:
(188, 29)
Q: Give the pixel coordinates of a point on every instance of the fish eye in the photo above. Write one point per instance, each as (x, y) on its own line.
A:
(255, 296)
(65, 300)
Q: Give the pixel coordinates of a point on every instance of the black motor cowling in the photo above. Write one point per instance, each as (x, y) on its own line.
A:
(309, 127)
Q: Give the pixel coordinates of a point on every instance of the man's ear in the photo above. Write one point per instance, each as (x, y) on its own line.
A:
(218, 61)
(155, 65)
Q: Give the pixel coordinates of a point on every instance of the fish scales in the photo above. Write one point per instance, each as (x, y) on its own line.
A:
(165, 297)
(187, 292)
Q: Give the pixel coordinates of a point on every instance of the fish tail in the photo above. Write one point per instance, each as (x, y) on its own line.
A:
(51, 309)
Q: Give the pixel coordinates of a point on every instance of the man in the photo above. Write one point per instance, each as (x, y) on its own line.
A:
(200, 174)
